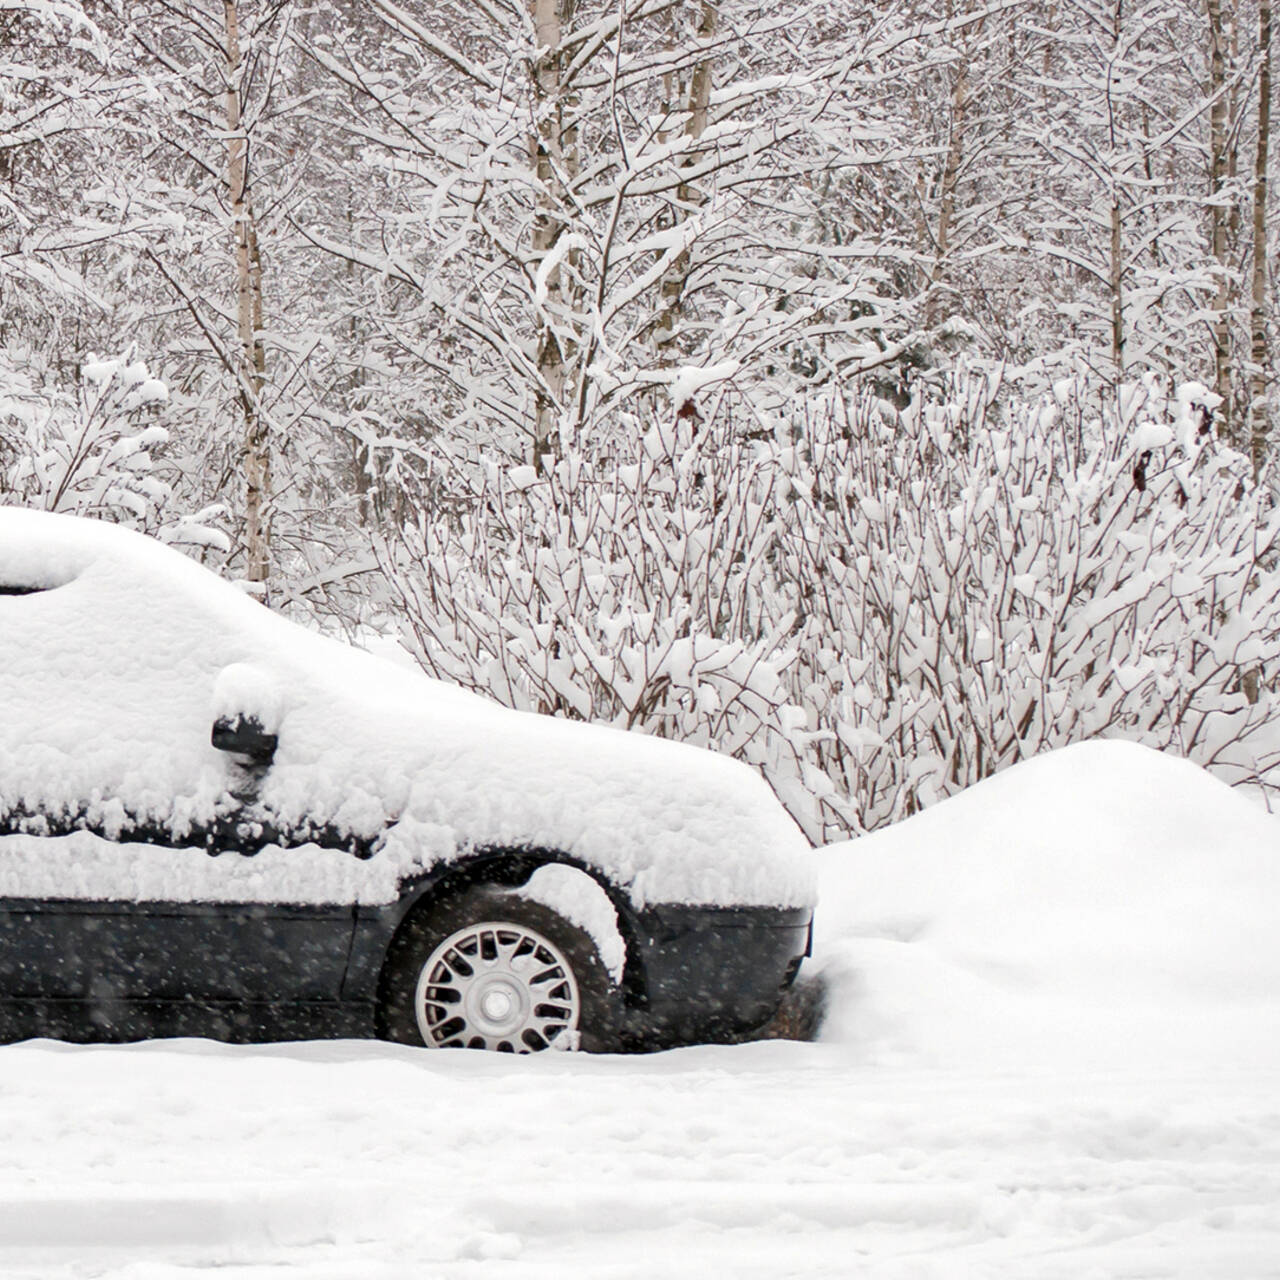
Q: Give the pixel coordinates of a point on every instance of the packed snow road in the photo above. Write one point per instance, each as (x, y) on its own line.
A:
(1052, 1050)
(764, 1160)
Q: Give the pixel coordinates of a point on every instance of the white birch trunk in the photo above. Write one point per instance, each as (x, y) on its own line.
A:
(1218, 175)
(545, 145)
(248, 264)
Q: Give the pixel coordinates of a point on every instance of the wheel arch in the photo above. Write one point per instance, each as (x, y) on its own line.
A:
(508, 867)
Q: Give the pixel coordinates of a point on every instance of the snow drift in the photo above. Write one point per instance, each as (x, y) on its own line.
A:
(1105, 901)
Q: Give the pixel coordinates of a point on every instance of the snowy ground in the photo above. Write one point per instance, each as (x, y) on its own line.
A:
(758, 1161)
(1054, 1051)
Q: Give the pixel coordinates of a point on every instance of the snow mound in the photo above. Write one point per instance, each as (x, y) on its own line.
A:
(1104, 902)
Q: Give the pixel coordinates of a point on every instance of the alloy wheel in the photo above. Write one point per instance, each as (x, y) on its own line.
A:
(497, 985)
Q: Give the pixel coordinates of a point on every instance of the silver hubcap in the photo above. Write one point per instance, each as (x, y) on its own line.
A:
(497, 986)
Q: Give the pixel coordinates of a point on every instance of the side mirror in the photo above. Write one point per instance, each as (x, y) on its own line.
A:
(244, 736)
(246, 711)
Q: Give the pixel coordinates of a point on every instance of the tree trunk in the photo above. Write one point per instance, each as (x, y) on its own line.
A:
(1218, 214)
(1117, 174)
(1117, 280)
(947, 204)
(1259, 348)
(546, 146)
(689, 197)
(248, 260)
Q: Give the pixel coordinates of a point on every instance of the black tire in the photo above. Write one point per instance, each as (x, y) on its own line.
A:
(426, 931)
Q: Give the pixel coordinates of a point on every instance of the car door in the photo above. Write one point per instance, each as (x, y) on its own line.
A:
(123, 942)
(105, 720)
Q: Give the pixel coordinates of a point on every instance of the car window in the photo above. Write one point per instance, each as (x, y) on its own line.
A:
(105, 692)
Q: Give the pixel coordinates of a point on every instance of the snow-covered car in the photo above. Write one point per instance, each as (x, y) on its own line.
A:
(216, 822)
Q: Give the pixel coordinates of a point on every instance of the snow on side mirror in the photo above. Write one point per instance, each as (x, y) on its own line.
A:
(246, 713)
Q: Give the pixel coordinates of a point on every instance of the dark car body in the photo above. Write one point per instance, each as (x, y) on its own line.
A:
(112, 971)
(140, 900)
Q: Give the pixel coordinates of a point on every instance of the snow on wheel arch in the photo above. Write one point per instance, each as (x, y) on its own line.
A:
(580, 899)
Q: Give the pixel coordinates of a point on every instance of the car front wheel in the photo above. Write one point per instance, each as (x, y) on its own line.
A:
(489, 969)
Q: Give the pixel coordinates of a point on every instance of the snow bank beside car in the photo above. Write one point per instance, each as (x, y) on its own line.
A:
(1103, 903)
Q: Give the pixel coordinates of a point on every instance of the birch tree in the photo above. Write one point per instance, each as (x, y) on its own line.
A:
(226, 152)
(578, 213)
(1222, 205)
(248, 287)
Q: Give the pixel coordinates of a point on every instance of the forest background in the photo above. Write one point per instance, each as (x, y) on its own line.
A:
(881, 393)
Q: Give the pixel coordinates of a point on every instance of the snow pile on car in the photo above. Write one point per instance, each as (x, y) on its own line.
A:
(1101, 903)
(122, 652)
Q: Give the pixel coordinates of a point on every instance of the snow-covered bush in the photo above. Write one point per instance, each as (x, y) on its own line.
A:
(95, 452)
(631, 588)
(983, 585)
(876, 608)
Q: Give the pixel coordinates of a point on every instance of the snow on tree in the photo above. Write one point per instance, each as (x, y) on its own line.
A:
(100, 451)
